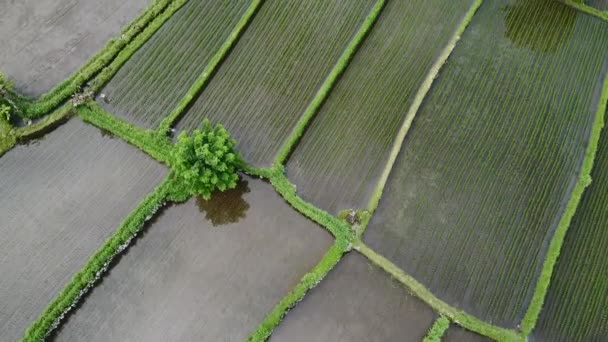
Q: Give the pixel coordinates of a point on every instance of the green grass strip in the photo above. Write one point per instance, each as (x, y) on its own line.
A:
(329, 83)
(209, 70)
(587, 9)
(338, 228)
(10, 136)
(460, 317)
(157, 146)
(308, 281)
(97, 264)
(411, 113)
(437, 330)
(584, 180)
(47, 102)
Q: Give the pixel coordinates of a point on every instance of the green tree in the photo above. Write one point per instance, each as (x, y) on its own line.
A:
(205, 161)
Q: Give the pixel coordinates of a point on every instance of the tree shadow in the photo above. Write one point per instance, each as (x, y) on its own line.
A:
(225, 207)
(540, 25)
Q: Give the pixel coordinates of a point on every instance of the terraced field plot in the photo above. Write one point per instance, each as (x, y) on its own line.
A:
(60, 198)
(189, 278)
(356, 302)
(149, 86)
(350, 138)
(485, 172)
(575, 306)
(44, 41)
(274, 71)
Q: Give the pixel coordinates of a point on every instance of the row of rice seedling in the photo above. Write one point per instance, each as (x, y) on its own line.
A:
(188, 279)
(602, 5)
(350, 137)
(275, 70)
(43, 42)
(356, 302)
(60, 198)
(159, 74)
(486, 172)
(575, 306)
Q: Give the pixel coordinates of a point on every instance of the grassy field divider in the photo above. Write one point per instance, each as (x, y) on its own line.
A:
(584, 180)
(439, 328)
(587, 9)
(10, 136)
(50, 100)
(463, 319)
(416, 104)
(308, 281)
(158, 147)
(84, 280)
(329, 83)
(211, 67)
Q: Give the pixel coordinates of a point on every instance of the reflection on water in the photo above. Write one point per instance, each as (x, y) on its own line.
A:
(540, 25)
(225, 207)
(106, 134)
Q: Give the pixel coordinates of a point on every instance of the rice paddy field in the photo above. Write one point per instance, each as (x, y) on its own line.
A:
(44, 41)
(410, 170)
(274, 71)
(60, 198)
(575, 304)
(352, 134)
(159, 74)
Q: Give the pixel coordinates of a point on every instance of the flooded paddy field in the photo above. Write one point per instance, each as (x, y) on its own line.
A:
(60, 198)
(458, 334)
(149, 86)
(203, 270)
(599, 4)
(490, 162)
(45, 41)
(356, 301)
(339, 159)
(274, 71)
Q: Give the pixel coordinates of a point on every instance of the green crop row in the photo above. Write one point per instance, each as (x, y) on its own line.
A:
(329, 83)
(47, 102)
(308, 281)
(584, 180)
(156, 145)
(97, 264)
(204, 77)
(437, 330)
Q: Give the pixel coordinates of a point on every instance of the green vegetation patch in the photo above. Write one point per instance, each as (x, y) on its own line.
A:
(352, 134)
(487, 171)
(159, 74)
(437, 330)
(274, 71)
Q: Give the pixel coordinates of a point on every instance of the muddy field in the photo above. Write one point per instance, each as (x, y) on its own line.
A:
(203, 271)
(356, 302)
(45, 41)
(60, 199)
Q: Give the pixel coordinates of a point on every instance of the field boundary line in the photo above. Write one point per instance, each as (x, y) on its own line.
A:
(423, 90)
(437, 330)
(584, 180)
(581, 7)
(34, 108)
(211, 67)
(97, 264)
(307, 282)
(329, 83)
(462, 318)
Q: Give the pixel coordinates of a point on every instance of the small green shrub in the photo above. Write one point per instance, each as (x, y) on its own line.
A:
(205, 161)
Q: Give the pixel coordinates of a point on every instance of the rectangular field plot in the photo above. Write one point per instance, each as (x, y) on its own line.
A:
(345, 148)
(487, 168)
(60, 199)
(203, 271)
(575, 306)
(149, 86)
(45, 41)
(356, 302)
(274, 71)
